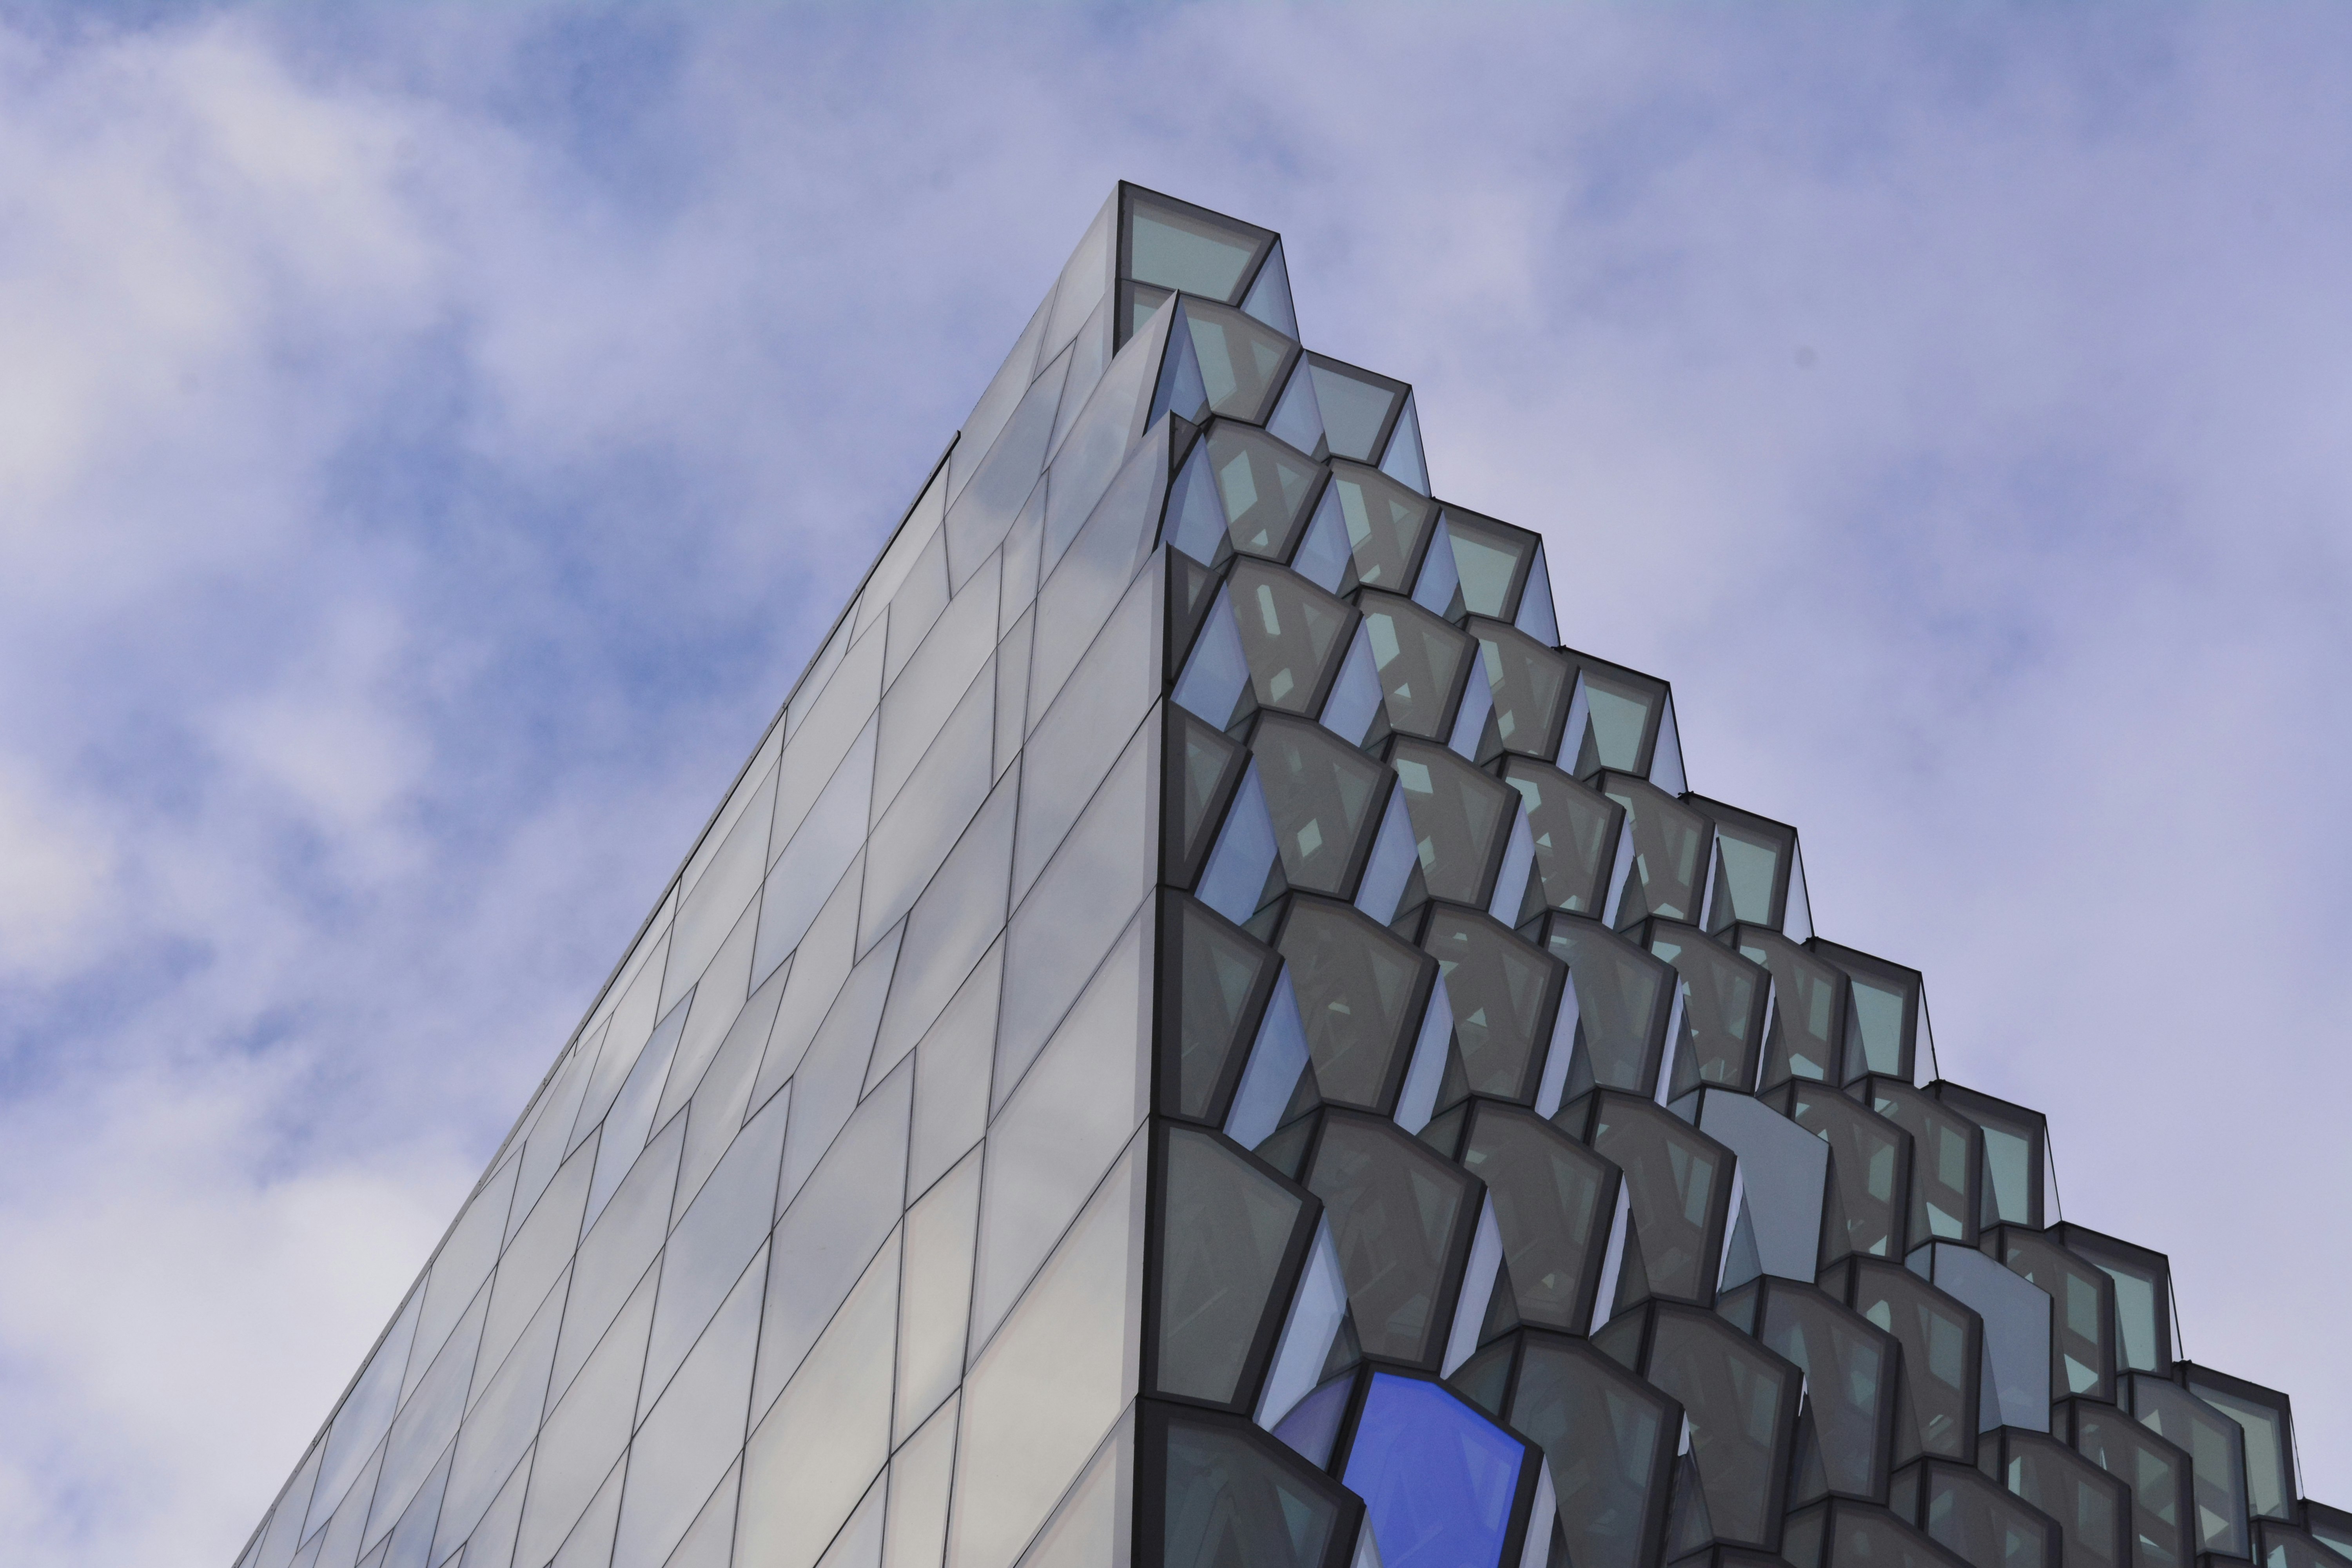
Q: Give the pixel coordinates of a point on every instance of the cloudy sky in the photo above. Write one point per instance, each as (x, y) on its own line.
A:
(431, 441)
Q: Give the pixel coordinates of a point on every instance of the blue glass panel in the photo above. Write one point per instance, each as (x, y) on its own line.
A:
(1437, 1478)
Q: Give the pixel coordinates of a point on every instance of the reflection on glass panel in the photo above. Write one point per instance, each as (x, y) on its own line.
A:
(2217, 1455)
(1362, 992)
(1844, 1533)
(1176, 245)
(1575, 831)
(1293, 635)
(2014, 1139)
(1741, 1401)
(1203, 766)
(1753, 855)
(1439, 1479)
(1609, 1438)
(1504, 992)
(1679, 1184)
(2156, 1471)
(1670, 845)
(1221, 977)
(1868, 1211)
(1323, 795)
(1358, 409)
(2091, 1508)
(2281, 1545)
(1945, 1164)
(2082, 1351)
(2143, 1296)
(1977, 1518)
(1491, 558)
(1401, 1217)
(1422, 664)
(1723, 1009)
(1622, 710)
(1882, 1012)
(1530, 687)
(1850, 1364)
(2331, 1527)
(1226, 1231)
(1386, 525)
(1942, 1343)
(1461, 818)
(1624, 999)
(2267, 1420)
(1553, 1202)
(1242, 360)
(1807, 1036)
(1229, 1497)
(1266, 487)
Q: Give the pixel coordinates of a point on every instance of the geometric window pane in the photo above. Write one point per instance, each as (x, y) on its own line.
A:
(2081, 1355)
(1942, 1349)
(1882, 1018)
(1292, 633)
(1670, 842)
(1438, 1479)
(2157, 1471)
(1402, 1216)
(2143, 1296)
(2217, 1455)
(1230, 1497)
(1423, 662)
(1850, 1365)
(1609, 1438)
(1575, 829)
(1975, 1517)
(1870, 1162)
(1678, 1182)
(2265, 1416)
(1361, 994)
(1221, 976)
(1723, 1009)
(1265, 486)
(1504, 991)
(1175, 245)
(1492, 560)
(1387, 526)
(1945, 1164)
(2093, 1508)
(1323, 794)
(1225, 1232)
(1741, 1400)
(1807, 1035)
(1623, 712)
(1358, 407)
(1624, 998)
(1529, 682)
(1553, 1199)
(1461, 817)
(1242, 360)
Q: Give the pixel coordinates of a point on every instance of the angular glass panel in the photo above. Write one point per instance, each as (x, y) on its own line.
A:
(1041, 1395)
(2143, 1296)
(412, 1540)
(2331, 1527)
(1086, 279)
(1221, 979)
(1438, 1479)
(942, 795)
(1358, 409)
(339, 1538)
(1553, 1200)
(719, 1233)
(2015, 1139)
(984, 512)
(914, 1531)
(1575, 830)
(1361, 995)
(492, 1543)
(1850, 1365)
(1079, 738)
(1492, 559)
(587, 1429)
(691, 1436)
(460, 1270)
(1679, 1184)
(1977, 1518)
(1461, 817)
(1242, 360)
(1401, 1217)
(1869, 1205)
(1203, 765)
(1670, 851)
(590, 1544)
(1324, 796)
(1221, 1493)
(988, 417)
(631, 1118)
(366, 1414)
(1228, 1235)
(720, 997)
(825, 1085)
(1608, 1440)
(282, 1532)
(1624, 998)
(1091, 353)
(421, 1432)
(1085, 585)
(2016, 1316)
(1741, 1401)
(714, 906)
(1405, 460)
(2157, 1471)
(823, 742)
(1422, 663)
(935, 1295)
(1293, 635)
(1882, 1012)
(1297, 422)
(2082, 1344)
(716, 1112)
(710, 1540)
(1754, 856)
(951, 928)
(1723, 1009)
(1504, 991)
(1266, 485)
(916, 607)
(951, 1068)
(615, 1255)
(2091, 1508)
(2265, 1417)
(1176, 245)
(1614, 720)
(1946, 1165)
(813, 863)
(1386, 526)
(1807, 1036)
(1530, 687)
(813, 1452)
(498, 1428)
(1942, 1343)
(2217, 1454)
(920, 701)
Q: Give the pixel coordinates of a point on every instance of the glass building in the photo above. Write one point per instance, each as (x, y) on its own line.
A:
(1203, 1036)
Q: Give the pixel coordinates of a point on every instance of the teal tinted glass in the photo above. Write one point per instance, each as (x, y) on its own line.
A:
(1751, 869)
(1188, 251)
(1227, 1226)
(1355, 412)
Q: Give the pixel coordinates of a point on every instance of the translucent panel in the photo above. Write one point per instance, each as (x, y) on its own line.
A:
(1194, 521)
(1319, 1309)
(1805, 1040)
(412, 1538)
(1679, 1184)
(282, 1532)
(1387, 527)
(1266, 485)
(935, 1295)
(1217, 1492)
(941, 797)
(1102, 475)
(915, 1532)
(1575, 832)
(631, 1118)
(1608, 1438)
(916, 607)
(710, 1540)
(813, 1454)
(2015, 1141)
(1553, 1199)
(714, 905)
(1088, 1529)
(820, 668)
(1299, 421)
(421, 1432)
(1882, 1012)
(498, 1428)
(1742, 1404)
(832, 1231)
(614, 1255)
(1977, 1518)
(814, 865)
(1052, 1381)
(1404, 461)
(1077, 739)
(2263, 1416)
(1535, 616)
(534, 1261)
(1356, 702)
(2158, 1473)
(1438, 1479)
(2217, 1453)
(1357, 409)
(1226, 1231)
(1422, 662)
(1942, 1345)
(492, 1543)
(1850, 1367)
(716, 1112)
(1670, 851)
(549, 1138)
(1178, 246)
(2143, 1296)
(1001, 481)
(1783, 1174)
(1076, 910)
(997, 403)
(858, 1543)
(1870, 1167)
(1091, 353)
(1613, 718)
(1624, 999)
(1086, 277)
(1269, 296)
(719, 1000)
(2082, 1349)
(590, 1544)
(1723, 1009)
(815, 752)
(1402, 1218)
(691, 1436)
(1064, 1126)
(1504, 992)
(951, 1068)
(1361, 995)
(1022, 554)
(1322, 796)
(339, 1535)
(1946, 1167)
(2016, 1317)
(366, 1414)
(1220, 981)
(1529, 683)
(1215, 678)
(952, 925)
(919, 701)
(1491, 560)
(2092, 1509)
(1460, 819)
(1242, 360)
(1241, 872)
(1292, 634)
(464, 1262)
(1753, 858)
(586, 1430)
(1012, 691)
(1271, 1088)
(2331, 1527)
(716, 1237)
(824, 1090)
(1179, 390)
(819, 969)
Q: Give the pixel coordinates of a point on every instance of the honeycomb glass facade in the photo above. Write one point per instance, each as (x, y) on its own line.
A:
(1204, 1036)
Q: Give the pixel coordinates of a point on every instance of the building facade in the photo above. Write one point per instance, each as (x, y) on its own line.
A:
(1205, 1037)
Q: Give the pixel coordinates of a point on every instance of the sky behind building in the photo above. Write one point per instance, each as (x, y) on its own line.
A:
(431, 442)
